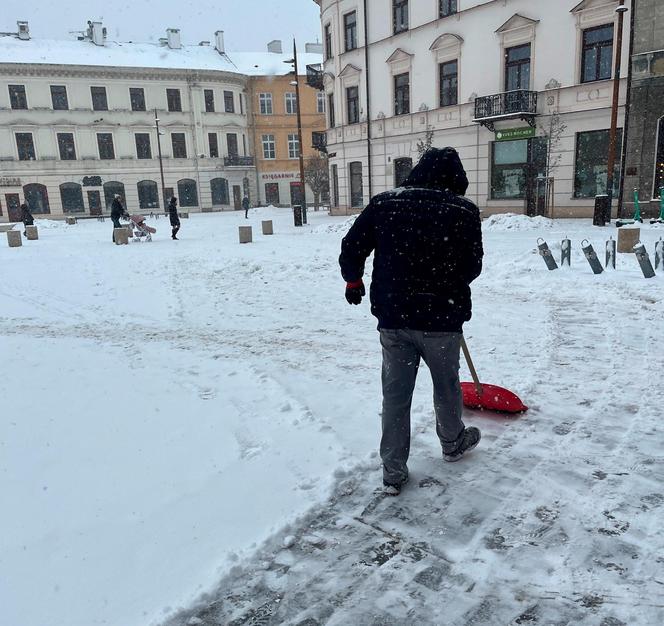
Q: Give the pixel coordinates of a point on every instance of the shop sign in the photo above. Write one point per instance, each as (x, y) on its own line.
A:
(10, 181)
(512, 134)
(280, 175)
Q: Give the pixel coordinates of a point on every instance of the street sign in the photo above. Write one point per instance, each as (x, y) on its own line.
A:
(510, 134)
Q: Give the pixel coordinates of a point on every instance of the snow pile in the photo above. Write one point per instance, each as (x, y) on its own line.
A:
(337, 227)
(46, 224)
(512, 221)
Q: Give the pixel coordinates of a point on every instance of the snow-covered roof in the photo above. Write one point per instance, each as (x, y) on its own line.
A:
(146, 55)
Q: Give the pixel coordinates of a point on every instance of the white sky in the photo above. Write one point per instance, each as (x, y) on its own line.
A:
(247, 24)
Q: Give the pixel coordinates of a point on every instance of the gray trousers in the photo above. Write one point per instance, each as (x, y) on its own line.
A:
(402, 350)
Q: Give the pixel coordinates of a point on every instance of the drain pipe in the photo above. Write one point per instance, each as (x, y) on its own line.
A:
(366, 65)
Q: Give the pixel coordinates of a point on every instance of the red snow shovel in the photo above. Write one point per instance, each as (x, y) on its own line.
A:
(488, 397)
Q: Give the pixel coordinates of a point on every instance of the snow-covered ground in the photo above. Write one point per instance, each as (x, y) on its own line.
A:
(188, 435)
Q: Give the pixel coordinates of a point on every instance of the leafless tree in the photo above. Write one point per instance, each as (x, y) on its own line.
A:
(316, 175)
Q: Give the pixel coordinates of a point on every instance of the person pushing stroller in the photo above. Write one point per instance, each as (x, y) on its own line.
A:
(117, 211)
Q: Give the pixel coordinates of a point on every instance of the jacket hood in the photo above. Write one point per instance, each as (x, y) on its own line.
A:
(439, 168)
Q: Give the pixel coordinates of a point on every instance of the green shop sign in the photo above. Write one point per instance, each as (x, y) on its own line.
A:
(510, 134)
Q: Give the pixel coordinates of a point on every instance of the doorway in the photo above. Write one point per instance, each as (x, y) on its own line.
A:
(237, 197)
(94, 202)
(402, 168)
(296, 194)
(13, 207)
(272, 193)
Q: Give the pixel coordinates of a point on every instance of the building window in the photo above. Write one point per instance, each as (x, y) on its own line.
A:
(335, 185)
(143, 147)
(240, 99)
(229, 105)
(26, 147)
(320, 102)
(208, 95)
(59, 99)
(328, 42)
(293, 146)
(350, 30)
(231, 144)
(400, 15)
(219, 188)
(17, 97)
(353, 104)
(99, 99)
(356, 190)
(148, 194)
(265, 103)
(291, 103)
(269, 149)
(272, 193)
(179, 144)
(659, 159)
(105, 145)
(213, 143)
(447, 8)
(449, 75)
(597, 58)
(71, 196)
(514, 166)
(517, 68)
(402, 168)
(66, 146)
(36, 197)
(137, 98)
(187, 193)
(590, 174)
(173, 100)
(402, 94)
(330, 109)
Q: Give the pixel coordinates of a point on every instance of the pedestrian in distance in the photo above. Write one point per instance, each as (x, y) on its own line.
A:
(174, 217)
(427, 244)
(26, 218)
(245, 206)
(117, 211)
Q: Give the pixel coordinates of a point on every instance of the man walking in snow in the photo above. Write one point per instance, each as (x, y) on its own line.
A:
(117, 211)
(174, 217)
(245, 206)
(427, 245)
(26, 218)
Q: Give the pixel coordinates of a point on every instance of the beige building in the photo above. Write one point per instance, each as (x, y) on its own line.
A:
(78, 123)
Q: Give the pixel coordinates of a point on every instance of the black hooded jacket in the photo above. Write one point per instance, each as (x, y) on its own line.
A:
(427, 244)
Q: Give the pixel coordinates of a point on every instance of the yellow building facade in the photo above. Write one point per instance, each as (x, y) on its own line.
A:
(274, 125)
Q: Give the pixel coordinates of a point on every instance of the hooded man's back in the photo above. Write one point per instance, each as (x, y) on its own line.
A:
(427, 245)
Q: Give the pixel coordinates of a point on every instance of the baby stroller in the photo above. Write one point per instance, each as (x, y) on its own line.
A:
(141, 229)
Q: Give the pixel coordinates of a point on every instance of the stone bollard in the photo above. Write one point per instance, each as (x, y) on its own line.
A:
(245, 234)
(268, 229)
(14, 238)
(31, 233)
(627, 239)
(121, 236)
(71, 221)
(184, 215)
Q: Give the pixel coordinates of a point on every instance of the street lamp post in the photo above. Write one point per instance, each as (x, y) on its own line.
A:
(296, 84)
(621, 10)
(161, 164)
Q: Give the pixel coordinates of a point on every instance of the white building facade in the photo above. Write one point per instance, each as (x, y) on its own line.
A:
(521, 88)
(78, 125)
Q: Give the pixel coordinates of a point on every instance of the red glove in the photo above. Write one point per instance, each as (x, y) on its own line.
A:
(355, 291)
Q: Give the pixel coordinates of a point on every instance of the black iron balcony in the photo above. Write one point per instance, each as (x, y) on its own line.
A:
(315, 76)
(319, 141)
(519, 104)
(238, 161)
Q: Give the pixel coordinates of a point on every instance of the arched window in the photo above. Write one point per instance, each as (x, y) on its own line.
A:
(402, 168)
(220, 194)
(659, 159)
(148, 195)
(71, 195)
(188, 195)
(36, 197)
(356, 189)
(110, 189)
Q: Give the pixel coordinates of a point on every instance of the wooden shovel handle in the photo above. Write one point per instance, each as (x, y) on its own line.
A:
(471, 367)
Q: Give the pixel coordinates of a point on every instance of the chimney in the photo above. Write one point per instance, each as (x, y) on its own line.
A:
(219, 42)
(97, 33)
(173, 38)
(313, 48)
(23, 31)
(275, 46)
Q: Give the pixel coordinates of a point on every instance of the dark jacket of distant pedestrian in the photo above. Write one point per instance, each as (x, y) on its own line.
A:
(26, 216)
(117, 211)
(174, 217)
(427, 245)
(245, 206)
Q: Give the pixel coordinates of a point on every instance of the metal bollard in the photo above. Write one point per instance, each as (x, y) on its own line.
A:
(644, 260)
(591, 255)
(610, 261)
(545, 253)
(566, 253)
(659, 255)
